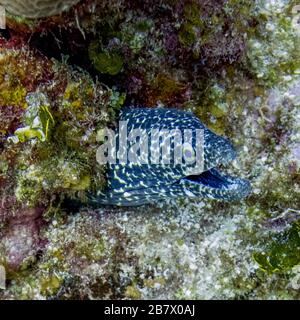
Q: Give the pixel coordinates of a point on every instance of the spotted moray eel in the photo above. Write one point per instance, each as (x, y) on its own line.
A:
(134, 184)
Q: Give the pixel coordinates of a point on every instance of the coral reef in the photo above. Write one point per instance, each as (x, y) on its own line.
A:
(235, 64)
(50, 115)
(155, 51)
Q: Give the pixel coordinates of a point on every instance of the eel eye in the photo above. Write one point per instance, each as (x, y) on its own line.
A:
(188, 153)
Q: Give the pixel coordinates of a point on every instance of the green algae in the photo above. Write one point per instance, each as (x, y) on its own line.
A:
(282, 253)
(105, 61)
(187, 34)
(15, 97)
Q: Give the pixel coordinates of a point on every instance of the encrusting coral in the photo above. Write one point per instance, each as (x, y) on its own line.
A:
(50, 115)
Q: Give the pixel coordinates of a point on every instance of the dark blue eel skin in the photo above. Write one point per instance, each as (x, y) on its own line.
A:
(139, 184)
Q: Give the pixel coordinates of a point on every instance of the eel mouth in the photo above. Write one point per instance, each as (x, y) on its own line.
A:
(218, 185)
(212, 183)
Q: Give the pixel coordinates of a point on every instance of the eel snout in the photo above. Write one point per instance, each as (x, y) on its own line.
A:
(212, 182)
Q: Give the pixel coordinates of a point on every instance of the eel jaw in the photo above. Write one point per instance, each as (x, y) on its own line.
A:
(216, 185)
(211, 183)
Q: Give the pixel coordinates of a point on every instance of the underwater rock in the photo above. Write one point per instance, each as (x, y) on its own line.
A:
(50, 115)
(38, 8)
(52, 105)
(155, 50)
(21, 242)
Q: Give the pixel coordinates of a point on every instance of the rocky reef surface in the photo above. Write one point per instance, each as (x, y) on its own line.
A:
(235, 64)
